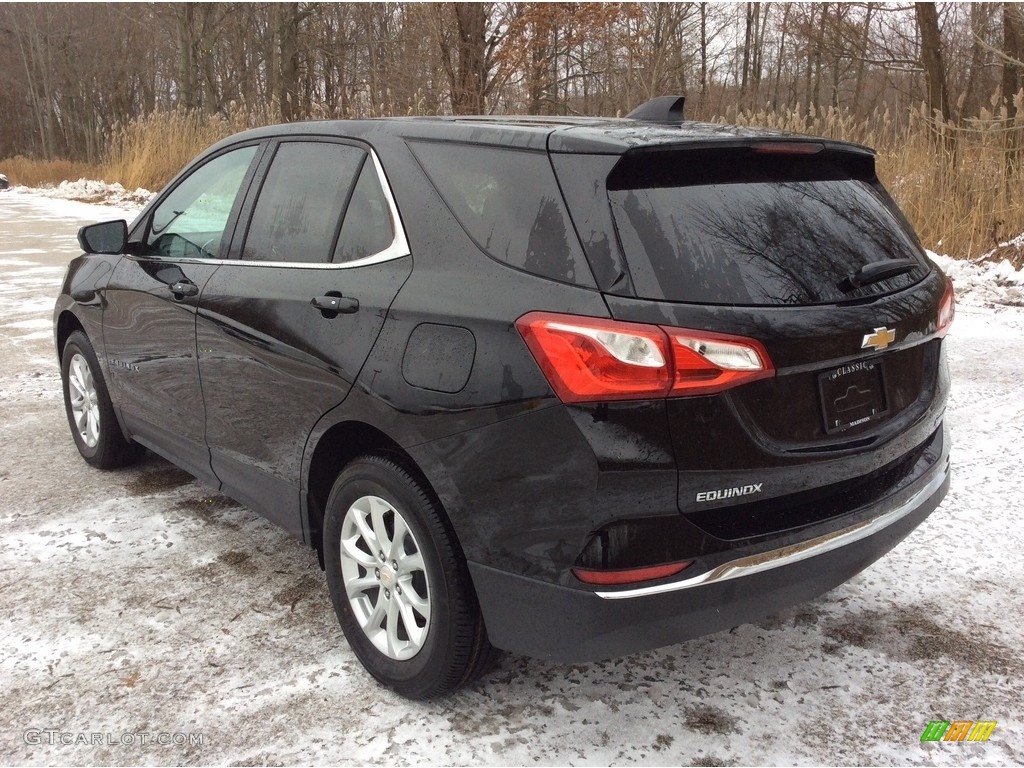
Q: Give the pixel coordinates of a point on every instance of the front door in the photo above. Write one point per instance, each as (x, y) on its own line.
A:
(285, 327)
(149, 316)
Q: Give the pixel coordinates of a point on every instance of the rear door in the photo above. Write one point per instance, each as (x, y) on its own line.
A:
(286, 325)
(149, 317)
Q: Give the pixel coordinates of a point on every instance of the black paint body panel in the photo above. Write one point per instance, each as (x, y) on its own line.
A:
(565, 625)
(149, 335)
(271, 365)
(244, 383)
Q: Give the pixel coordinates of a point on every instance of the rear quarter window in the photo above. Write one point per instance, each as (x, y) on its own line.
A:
(509, 203)
(367, 227)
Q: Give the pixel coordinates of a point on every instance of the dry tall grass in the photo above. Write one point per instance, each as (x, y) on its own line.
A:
(960, 185)
(148, 151)
(30, 172)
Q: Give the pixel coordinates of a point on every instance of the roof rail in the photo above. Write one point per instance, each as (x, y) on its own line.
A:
(662, 109)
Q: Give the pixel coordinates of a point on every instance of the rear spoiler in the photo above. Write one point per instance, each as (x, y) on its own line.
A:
(750, 161)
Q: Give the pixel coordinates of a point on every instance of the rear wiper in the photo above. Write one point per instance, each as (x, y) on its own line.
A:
(875, 271)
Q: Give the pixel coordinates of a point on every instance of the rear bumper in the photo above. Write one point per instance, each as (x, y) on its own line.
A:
(565, 624)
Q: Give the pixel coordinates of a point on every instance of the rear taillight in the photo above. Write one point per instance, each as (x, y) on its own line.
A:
(947, 308)
(708, 363)
(588, 359)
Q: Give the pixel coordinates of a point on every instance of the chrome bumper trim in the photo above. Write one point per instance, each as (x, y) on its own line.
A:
(776, 558)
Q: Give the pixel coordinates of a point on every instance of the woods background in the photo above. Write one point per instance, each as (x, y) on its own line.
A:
(130, 92)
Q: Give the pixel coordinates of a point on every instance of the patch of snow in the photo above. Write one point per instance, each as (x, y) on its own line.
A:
(985, 283)
(33, 271)
(35, 205)
(34, 323)
(93, 191)
(35, 306)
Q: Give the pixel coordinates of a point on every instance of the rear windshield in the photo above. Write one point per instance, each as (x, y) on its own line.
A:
(737, 229)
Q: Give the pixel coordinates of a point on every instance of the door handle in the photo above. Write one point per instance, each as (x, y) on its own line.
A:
(183, 288)
(334, 303)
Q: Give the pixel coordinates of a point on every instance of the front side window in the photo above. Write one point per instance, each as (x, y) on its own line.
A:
(298, 213)
(190, 222)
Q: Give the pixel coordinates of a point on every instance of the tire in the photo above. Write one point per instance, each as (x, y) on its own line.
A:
(405, 602)
(90, 413)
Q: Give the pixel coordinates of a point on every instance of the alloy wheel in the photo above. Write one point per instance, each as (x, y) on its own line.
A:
(385, 577)
(85, 403)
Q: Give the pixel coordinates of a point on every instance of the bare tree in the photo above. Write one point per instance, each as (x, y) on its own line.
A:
(61, 91)
(461, 32)
(1013, 50)
(933, 60)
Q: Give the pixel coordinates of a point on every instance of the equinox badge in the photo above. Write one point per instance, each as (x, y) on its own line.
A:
(880, 338)
(728, 493)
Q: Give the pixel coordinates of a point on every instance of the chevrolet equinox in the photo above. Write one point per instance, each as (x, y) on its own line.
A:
(571, 388)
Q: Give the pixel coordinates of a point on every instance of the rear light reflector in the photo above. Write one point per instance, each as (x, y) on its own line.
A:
(947, 309)
(630, 575)
(589, 359)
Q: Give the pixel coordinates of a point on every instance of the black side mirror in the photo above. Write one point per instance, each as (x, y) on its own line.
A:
(108, 237)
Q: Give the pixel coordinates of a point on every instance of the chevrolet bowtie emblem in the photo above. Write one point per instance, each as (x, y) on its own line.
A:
(880, 338)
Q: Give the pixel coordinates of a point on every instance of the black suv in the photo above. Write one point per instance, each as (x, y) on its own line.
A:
(572, 388)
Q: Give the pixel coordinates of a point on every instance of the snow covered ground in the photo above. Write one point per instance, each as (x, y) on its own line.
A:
(91, 191)
(139, 602)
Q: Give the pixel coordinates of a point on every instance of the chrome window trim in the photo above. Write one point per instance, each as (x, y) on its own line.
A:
(398, 249)
(776, 558)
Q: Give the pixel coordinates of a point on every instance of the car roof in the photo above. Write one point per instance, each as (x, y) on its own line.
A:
(592, 135)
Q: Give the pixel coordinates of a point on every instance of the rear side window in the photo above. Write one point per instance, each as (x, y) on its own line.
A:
(509, 203)
(758, 232)
(367, 227)
(298, 213)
